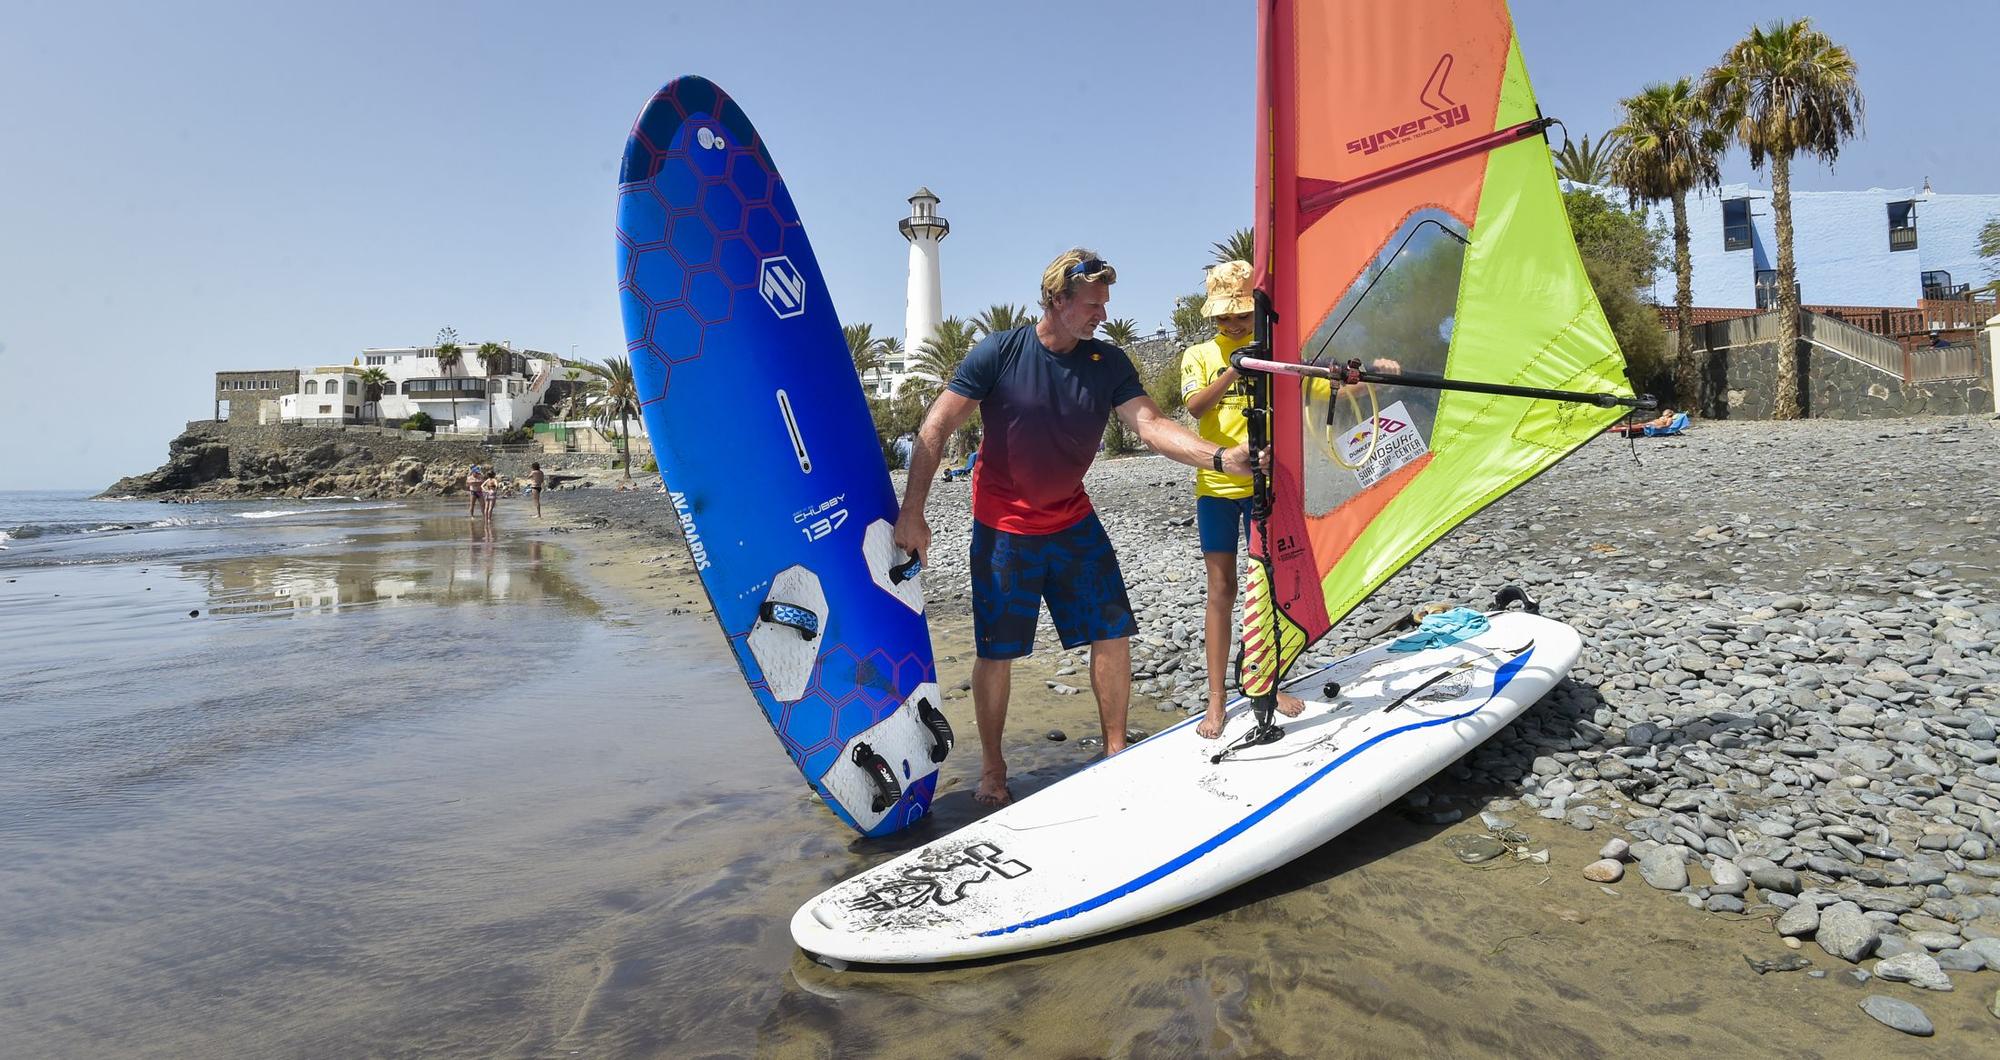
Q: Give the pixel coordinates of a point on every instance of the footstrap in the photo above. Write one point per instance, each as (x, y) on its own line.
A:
(887, 791)
(784, 614)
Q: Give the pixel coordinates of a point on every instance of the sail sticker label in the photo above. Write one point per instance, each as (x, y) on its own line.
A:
(1445, 113)
(784, 290)
(1396, 441)
(941, 879)
(693, 536)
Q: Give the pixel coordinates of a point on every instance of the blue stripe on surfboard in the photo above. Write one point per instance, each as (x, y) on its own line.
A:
(1502, 676)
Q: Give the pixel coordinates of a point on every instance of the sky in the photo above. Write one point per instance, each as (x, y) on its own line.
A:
(202, 186)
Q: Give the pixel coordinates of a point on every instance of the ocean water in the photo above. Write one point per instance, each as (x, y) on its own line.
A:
(320, 778)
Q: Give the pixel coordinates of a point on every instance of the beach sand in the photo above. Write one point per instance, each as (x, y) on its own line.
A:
(1379, 943)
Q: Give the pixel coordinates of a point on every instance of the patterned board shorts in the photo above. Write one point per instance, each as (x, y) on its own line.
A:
(1075, 570)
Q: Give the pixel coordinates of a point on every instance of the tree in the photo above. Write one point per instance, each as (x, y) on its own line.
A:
(616, 396)
(449, 357)
(373, 380)
(495, 359)
(1123, 331)
(1240, 246)
(1670, 146)
(1989, 249)
(1620, 255)
(939, 357)
(1582, 162)
(863, 348)
(1190, 326)
(1001, 317)
(1784, 89)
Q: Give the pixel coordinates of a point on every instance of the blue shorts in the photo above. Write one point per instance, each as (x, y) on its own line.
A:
(1075, 570)
(1218, 519)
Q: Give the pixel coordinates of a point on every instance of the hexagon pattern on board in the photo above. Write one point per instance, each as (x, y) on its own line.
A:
(695, 217)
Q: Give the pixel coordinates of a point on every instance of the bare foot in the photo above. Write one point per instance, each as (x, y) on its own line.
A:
(1211, 723)
(993, 790)
(1290, 705)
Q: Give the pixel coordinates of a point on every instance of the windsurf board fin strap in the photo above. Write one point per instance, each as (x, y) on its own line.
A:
(1510, 595)
(780, 613)
(940, 729)
(887, 790)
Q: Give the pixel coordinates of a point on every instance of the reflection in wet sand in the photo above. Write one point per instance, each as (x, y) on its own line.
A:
(437, 560)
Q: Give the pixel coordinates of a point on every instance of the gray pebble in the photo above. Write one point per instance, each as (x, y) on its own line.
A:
(1901, 1015)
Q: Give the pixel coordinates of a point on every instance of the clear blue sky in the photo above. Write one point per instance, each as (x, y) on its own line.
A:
(200, 186)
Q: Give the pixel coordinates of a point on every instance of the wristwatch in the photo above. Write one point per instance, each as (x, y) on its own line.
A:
(1217, 459)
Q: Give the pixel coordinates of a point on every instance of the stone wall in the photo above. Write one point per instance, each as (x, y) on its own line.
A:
(1741, 381)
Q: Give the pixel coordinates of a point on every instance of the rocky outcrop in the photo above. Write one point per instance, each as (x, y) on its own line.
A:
(209, 460)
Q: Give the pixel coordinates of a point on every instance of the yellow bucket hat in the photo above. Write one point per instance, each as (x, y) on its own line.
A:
(1228, 290)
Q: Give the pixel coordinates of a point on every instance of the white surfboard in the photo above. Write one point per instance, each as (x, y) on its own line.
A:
(1161, 827)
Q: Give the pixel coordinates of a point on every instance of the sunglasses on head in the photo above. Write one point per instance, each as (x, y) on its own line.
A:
(1087, 268)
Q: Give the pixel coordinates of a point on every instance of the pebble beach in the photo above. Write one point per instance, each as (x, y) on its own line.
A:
(1781, 731)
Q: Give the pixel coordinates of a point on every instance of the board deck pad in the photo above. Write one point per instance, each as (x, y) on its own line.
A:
(1160, 827)
(769, 455)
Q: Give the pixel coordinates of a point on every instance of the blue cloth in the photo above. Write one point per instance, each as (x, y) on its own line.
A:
(1674, 426)
(1074, 569)
(1444, 629)
(1218, 520)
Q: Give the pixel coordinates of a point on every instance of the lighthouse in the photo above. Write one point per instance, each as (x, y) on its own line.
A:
(925, 230)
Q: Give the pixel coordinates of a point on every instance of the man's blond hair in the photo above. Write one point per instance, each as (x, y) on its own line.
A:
(1059, 280)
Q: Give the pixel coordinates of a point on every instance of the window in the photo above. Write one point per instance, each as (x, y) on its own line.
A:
(1736, 224)
(326, 410)
(389, 387)
(1767, 288)
(1903, 225)
(312, 386)
(376, 358)
(1937, 284)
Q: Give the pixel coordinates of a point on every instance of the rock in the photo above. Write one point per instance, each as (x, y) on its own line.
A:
(1959, 960)
(1615, 849)
(1664, 870)
(1846, 933)
(1987, 949)
(1917, 969)
(1799, 921)
(1894, 1012)
(1607, 870)
(1728, 878)
(1783, 881)
(1057, 736)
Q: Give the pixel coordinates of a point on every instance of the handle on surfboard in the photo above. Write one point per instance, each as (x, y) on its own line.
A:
(940, 729)
(887, 791)
(907, 569)
(792, 615)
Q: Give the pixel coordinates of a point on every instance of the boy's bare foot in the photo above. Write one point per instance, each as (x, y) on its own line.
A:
(1211, 723)
(993, 790)
(1290, 705)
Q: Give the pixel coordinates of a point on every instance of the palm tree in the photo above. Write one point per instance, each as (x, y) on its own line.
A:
(1669, 146)
(1123, 331)
(495, 359)
(1583, 162)
(1240, 246)
(373, 379)
(1001, 317)
(939, 357)
(449, 357)
(1784, 89)
(617, 397)
(864, 349)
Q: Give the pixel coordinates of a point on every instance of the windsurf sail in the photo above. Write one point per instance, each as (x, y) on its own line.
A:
(1409, 230)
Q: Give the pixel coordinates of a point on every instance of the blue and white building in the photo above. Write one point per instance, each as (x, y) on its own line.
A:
(1884, 247)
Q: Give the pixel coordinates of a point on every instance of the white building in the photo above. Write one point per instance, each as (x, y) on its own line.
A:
(471, 400)
(925, 228)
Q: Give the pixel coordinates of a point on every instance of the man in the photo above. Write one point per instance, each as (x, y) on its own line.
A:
(472, 486)
(1045, 393)
(536, 478)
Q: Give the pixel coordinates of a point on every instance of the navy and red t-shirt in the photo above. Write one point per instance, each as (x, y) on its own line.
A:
(1044, 415)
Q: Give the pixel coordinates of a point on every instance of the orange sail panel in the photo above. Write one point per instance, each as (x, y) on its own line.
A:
(1409, 218)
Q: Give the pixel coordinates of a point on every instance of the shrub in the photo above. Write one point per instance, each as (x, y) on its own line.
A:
(420, 421)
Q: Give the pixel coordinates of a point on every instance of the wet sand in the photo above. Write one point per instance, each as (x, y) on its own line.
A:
(1380, 943)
